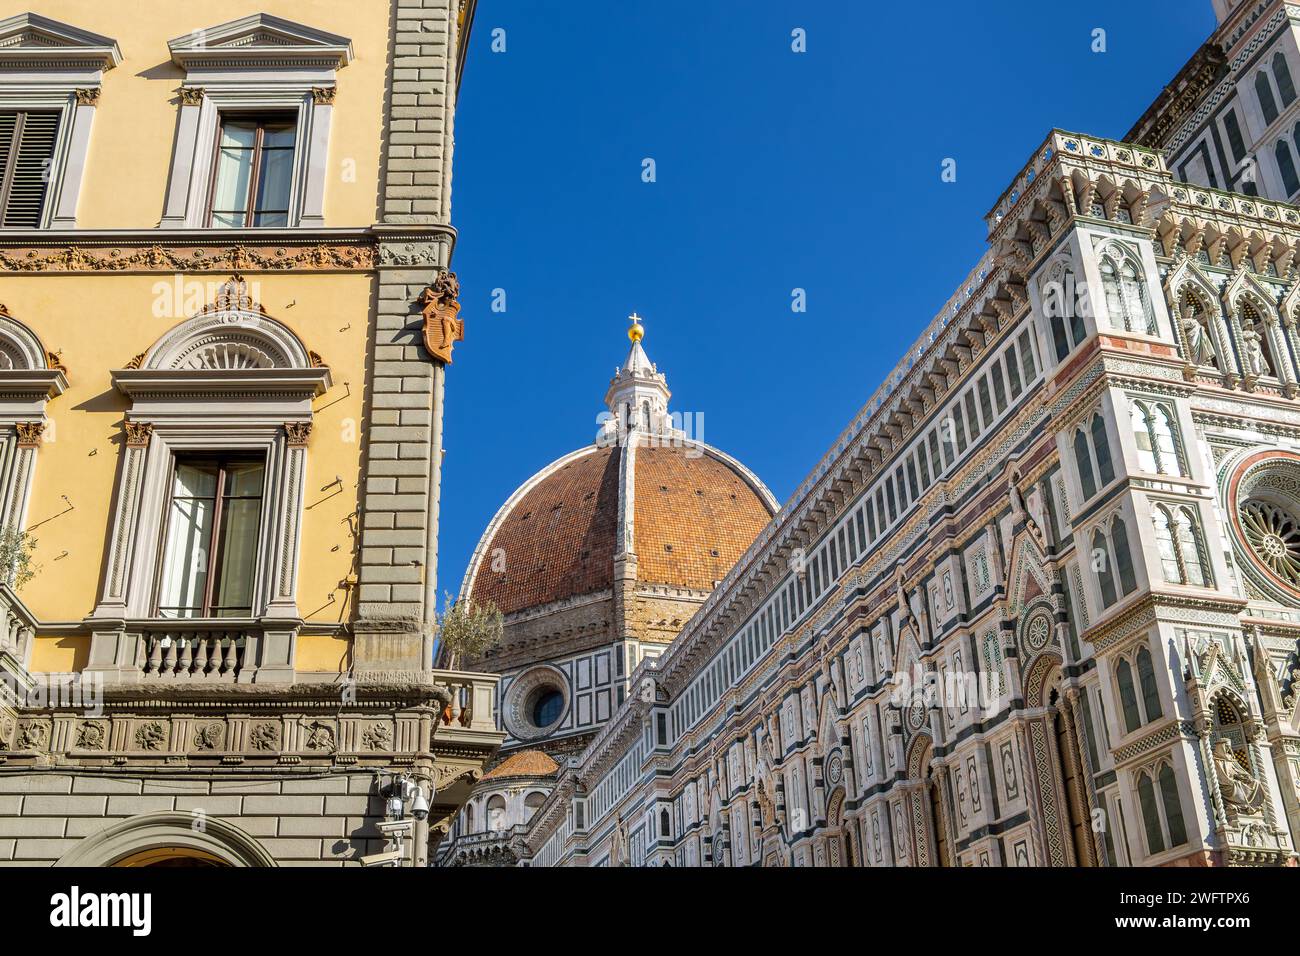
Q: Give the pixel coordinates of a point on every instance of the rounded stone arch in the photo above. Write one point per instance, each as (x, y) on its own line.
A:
(20, 349)
(217, 841)
(237, 338)
(1043, 671)
(918, 755)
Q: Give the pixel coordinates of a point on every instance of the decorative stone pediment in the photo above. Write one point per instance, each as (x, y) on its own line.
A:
(229, 348)
(27, 379)
(260, 40)
(1244, 283)
(31, 42)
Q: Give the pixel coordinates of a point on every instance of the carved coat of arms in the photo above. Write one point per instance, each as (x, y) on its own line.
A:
(442, 328)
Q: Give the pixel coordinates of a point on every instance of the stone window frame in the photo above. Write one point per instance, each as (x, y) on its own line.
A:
(178, 411)
(228, 70)
(64, 76)
(27, 385)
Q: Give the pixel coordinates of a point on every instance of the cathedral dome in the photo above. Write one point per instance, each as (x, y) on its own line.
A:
(647, 505)
(690, 509)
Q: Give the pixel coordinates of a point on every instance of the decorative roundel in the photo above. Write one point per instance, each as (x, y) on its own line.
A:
(916, 716)
(536, 703)
(1264, 504)
(1273, 534)
(1038, 632)
(835, 768)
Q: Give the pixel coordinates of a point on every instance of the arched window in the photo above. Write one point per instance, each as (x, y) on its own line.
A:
(1267, 105)
(1286, 167)
(1147, 680)
(1128, 697)
(1178, 538)
(1150, 815)
(1083, 459)
(533, 802)
(1166, 546)
(1101, 562)
(1101, 445)
(1172, 806)
(469, 818)
(1060, 303)
(1126, 298)
(1059, 340)
(1123, 557)
(1282, 73)
(496, 812)
(1153, 427)
(1092, 456)
(1189, 547)
(665, 828)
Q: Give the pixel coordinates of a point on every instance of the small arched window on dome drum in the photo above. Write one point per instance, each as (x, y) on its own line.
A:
(533, 802)
(496, 812)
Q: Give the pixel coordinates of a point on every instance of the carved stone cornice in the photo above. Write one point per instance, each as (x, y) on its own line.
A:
(144, 254)
(1222, 611)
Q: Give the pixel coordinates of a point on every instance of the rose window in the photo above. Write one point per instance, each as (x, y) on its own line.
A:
(1273, 534)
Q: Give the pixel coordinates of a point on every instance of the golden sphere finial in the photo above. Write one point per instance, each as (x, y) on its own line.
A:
(637, 332)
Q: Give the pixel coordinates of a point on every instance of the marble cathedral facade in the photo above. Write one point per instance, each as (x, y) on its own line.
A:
(1040, 603)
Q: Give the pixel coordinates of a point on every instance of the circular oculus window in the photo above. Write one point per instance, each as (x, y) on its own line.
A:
(536, 703)
(1264, 495)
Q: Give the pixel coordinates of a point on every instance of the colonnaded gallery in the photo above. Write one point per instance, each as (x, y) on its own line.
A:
(1038, 605)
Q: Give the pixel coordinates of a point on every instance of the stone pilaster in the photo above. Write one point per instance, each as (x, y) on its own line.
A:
(399, 502)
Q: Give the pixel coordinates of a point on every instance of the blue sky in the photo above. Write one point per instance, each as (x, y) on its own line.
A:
(774, 170)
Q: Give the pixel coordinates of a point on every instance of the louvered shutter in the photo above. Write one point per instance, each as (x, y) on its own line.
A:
(26, 153)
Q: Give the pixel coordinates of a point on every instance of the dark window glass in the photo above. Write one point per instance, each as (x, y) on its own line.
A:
(1087, 482)
(1286, 166)
(254, 171)
(1235, 140)
(1147, 678)
(1128, 697)
(1282, 73)
(1105, 470)
(972, 416)
(1150, 816)
(1027, 367)
(1123, 558)
(1013, 373)
(213, 524)
(1267, 105)
(999, 389)
(1173, 807)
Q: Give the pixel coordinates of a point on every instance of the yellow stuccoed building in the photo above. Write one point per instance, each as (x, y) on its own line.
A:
(225, 317)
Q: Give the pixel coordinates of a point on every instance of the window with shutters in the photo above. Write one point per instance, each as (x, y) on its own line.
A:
(27, 140)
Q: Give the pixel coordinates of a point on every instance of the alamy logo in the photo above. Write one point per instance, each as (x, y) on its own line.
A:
(75, 909)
